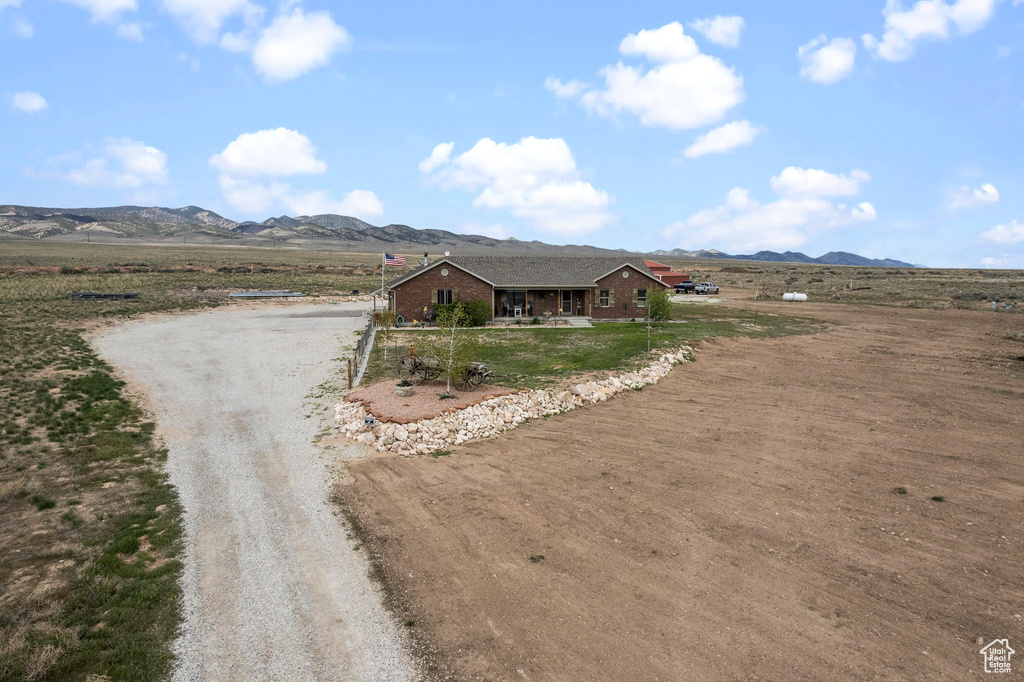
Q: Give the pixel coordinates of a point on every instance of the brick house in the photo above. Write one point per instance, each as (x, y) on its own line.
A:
(599, 287)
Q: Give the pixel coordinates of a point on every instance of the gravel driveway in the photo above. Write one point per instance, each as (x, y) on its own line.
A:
(272, 587)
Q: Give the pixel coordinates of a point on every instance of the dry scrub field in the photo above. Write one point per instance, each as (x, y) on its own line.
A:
(843, 505)
(727, 523)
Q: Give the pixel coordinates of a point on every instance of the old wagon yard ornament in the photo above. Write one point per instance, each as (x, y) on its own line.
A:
(416, 369)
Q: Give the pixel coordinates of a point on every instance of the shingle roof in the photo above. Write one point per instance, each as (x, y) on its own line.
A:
(507, 272)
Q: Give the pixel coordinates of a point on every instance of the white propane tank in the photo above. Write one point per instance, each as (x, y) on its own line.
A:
(794, 297)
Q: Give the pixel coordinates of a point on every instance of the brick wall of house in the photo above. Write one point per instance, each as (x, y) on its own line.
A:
(412, 295)
(543, 301)
(623, 291)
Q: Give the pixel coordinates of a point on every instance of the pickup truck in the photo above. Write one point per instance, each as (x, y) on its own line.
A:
(705, 288)
(685, 287)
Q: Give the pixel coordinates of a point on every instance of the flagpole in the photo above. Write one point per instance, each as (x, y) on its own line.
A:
(383, 264)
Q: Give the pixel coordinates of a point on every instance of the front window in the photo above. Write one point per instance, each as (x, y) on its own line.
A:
(444, 296)
(515, 299)
(641, 298)
(604, 298)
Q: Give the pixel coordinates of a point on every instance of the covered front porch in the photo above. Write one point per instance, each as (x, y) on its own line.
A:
(512, 304)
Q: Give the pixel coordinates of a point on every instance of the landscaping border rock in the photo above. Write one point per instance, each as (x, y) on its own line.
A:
(492, 416)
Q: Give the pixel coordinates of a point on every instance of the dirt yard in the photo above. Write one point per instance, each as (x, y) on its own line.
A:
(847, 505)
(380, 400)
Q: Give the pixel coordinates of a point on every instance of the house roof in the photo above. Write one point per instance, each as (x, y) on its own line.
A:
(510, 272)
(655, 265)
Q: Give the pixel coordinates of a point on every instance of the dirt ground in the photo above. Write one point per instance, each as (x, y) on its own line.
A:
(766, 513)
(379, 399)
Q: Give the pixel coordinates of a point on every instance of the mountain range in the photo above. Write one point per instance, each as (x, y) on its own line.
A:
(328, 231)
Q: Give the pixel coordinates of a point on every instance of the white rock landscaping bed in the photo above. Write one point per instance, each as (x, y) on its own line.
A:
(495, 415)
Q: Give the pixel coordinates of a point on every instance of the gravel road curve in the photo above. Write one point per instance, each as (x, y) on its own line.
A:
(272, 587)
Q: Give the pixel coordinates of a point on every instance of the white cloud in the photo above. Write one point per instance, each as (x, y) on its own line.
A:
(724, 31)
(23, 29)
(297, 43)
(739, 199)
(438, 157)
(28, 102)
(278, 152)
(723, 139)
(1012, 233)
(990, 262)
(360, 203)
(105, 10)
(535, 179)
(965, 197)
(126, 164)
(811, 183)
(251, 197)
(565, 90)
(932, 19)
(250, 162)
(665, 44)
(684, 89)
(742, 224)
(255, 196)
(130, 32)
(826, 62)
(9, 3)
(237, 42)
(203, 19)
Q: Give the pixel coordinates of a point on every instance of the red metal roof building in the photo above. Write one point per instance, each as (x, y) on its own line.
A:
(665, 274)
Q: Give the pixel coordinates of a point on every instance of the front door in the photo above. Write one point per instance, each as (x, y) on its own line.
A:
(567, 303)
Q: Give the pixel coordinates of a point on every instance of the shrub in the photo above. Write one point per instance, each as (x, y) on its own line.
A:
(659, 308)
(475, 313)
(42, 502)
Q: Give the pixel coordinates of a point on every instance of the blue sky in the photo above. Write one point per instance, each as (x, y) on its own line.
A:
(884, 128)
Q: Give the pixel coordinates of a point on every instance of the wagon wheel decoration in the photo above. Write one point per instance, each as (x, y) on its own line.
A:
(411, 369)
(473, 377)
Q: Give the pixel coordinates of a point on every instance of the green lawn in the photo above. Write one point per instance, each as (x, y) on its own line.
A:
(536, 357)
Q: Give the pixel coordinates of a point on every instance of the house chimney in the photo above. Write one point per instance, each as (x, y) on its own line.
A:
(424, 259)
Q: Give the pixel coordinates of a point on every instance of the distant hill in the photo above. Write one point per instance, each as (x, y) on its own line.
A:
(830, 258)
(318, 231)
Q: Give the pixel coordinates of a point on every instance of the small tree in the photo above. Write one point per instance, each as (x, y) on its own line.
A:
(659, 307)
(386, 320)
(451, 347)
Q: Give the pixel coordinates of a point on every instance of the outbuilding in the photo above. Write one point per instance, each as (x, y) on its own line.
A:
(665, 274)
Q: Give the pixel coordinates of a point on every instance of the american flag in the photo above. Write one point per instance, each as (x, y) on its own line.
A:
(393, 260)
